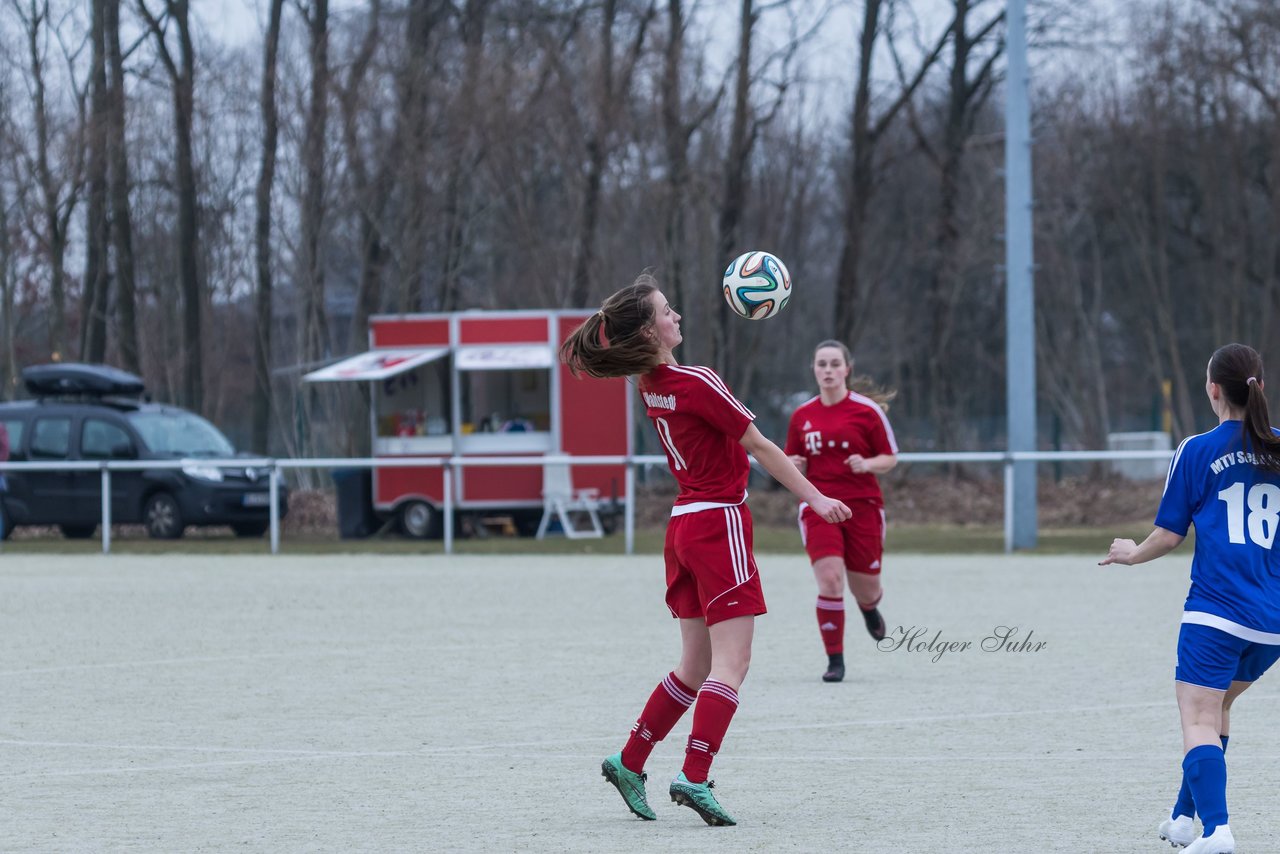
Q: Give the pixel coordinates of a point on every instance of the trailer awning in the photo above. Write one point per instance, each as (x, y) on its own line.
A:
(376, 365)
(505, 357)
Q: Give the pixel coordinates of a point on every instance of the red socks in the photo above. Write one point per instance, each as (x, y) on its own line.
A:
(831, 623)
(716, 704)
(666, 705)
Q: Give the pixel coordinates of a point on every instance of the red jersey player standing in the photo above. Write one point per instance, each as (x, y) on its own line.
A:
(841, 440)
(713, 587)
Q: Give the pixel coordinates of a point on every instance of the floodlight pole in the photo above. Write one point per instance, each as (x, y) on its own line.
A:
(1020, 346)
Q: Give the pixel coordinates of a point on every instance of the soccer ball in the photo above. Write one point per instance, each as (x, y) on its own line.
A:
(757, 285)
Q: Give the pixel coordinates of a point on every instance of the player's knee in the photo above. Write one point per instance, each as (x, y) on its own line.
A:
(733, 666)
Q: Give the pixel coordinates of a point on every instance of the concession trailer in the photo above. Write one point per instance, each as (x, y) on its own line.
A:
(486, 384)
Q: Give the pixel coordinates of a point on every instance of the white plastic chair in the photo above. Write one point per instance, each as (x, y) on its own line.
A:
(561, 500)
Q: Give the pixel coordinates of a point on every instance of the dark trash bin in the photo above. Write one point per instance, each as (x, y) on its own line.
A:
(356, 517)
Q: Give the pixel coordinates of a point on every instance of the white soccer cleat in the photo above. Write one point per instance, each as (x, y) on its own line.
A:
(1221, 842)
(1178, 832)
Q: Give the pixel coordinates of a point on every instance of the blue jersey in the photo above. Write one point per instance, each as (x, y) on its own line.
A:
(1235, 506)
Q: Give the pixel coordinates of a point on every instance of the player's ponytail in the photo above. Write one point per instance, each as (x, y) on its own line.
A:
(862, 384)
(1237, 369)
(614, 342)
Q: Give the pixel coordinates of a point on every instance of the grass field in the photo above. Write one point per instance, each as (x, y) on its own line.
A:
(418, 703)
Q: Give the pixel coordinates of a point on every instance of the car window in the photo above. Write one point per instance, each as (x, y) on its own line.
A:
(102, 440)
(180, 434)
(13, 427)
(50, 437)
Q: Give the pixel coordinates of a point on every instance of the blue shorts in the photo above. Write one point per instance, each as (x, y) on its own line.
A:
(1211, 658)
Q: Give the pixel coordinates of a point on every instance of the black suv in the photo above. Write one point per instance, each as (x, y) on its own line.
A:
(94, 412)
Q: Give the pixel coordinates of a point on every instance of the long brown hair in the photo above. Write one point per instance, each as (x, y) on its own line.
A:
(613, 341)
(861, 384)
(1237, 369)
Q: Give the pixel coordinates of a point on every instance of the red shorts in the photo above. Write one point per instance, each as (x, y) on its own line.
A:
(711, 572)
(859, 540)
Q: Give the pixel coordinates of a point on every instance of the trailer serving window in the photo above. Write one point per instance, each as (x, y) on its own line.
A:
(411, 398)
(505, 390)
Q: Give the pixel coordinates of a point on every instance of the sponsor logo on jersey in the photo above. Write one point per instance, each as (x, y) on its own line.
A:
(806, 426)
(660, 401)
(813, 441)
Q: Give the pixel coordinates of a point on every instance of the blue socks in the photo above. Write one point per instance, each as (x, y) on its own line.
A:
(1186, 805)
(1205, 770)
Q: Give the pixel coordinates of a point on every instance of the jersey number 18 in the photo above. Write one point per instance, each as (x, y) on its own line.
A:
(1263, 501)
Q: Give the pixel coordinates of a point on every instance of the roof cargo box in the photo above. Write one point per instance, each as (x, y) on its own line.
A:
(64, 378)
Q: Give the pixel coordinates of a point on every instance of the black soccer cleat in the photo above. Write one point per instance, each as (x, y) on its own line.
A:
(875, 623)
(835, 668)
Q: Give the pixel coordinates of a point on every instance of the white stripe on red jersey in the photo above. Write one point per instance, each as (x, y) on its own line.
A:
(712, 379)
(879, 410)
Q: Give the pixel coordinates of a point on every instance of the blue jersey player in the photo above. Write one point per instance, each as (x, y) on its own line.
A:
(1227, 483)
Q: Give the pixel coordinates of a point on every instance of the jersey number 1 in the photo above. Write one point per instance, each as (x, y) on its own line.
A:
(664, 433)
(1264, 509)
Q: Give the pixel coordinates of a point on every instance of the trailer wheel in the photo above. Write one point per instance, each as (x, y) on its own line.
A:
(420, 520)
(527, 522)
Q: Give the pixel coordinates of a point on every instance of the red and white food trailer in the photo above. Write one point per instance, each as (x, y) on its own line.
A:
(482, 384)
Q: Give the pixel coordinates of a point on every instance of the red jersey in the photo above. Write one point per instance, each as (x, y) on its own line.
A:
(699, 422)
(827, 435)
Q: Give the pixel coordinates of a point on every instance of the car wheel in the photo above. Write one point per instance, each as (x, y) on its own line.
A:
(163, 517)
(250, 529)
(78, 532)
(6, 523)
(420, 520)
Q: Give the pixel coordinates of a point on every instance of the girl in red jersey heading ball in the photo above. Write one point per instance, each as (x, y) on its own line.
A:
(842, 440)
(713, 587)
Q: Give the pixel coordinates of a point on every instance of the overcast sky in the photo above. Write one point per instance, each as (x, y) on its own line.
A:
(828, 61)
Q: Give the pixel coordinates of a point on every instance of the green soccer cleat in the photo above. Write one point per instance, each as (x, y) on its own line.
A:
(629, 784)
(698, 797)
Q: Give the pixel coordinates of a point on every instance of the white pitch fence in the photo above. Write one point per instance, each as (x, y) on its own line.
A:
(451, 464)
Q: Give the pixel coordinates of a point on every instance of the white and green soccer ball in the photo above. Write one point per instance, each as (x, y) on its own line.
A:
(757, 285)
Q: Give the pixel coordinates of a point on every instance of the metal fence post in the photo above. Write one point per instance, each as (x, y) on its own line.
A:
(106, 509)
(1009, 509)
(273, 498)
(629, 512)
(448, 507)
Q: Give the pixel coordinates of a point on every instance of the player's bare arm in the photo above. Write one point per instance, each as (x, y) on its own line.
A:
(881, 464)
(778, 464)
(1127, 553)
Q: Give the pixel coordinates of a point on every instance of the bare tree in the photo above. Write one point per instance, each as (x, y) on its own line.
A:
(416, 91)
(264, 315)
(59, 193)
(742, 136)
(1244, 43)
(613, 88)
(118, 190)
(313, 320)
(852, 290)
(181, 72)
(735, 346)
(465, 151)
(7, 263)
(970, 80)
(680, 120)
